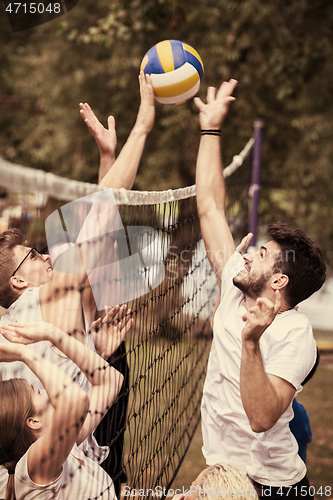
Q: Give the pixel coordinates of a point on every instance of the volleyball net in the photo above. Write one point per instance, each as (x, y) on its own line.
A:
(150, 426)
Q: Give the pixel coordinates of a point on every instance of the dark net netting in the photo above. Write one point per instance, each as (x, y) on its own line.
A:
(160, 270)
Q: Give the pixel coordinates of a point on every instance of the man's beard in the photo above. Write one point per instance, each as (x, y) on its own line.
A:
(251, 287)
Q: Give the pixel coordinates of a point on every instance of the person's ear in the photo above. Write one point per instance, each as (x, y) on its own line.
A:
(279, 281)
(18, 283)
(34, 424)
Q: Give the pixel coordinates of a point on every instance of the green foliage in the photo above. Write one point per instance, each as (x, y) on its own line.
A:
(280, 51)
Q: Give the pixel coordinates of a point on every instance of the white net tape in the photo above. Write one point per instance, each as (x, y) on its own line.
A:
(15, 177)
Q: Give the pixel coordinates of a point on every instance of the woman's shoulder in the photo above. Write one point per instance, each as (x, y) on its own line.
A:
(26, 489)
(80, 478)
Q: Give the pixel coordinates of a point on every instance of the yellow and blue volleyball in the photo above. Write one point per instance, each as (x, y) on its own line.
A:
(176, 70)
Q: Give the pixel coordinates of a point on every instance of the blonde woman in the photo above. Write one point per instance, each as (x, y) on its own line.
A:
(40, 430)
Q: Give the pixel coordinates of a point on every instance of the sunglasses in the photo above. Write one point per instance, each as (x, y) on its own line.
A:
(33, 252)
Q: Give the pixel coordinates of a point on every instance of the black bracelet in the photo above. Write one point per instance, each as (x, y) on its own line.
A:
(210, 132)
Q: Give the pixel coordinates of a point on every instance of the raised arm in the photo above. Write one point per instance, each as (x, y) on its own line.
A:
(265, 397)
(58, 431)
(108, 333)
(105, 138)
(106, 381)
(123, 172)
(65, 291)
(61, 300)
(210, 185)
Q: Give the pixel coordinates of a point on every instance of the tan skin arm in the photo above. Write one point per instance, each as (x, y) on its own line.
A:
(217, 237)
(123, 172)
(71, 404)
(61, 302)
(105, 138)
(265, 397)
(64, 293)
(76, 414)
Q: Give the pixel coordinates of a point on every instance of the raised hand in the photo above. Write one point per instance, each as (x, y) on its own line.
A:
(106, 138)
(260, 316)
(29, 333)
(146, 115)
(242, 247)
(212, 114)
(109, 333)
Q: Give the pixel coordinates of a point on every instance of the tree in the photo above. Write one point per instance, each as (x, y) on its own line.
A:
(281, 53)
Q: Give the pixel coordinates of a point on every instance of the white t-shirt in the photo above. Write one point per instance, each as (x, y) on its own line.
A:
(25, 309)
(289, 351)
(76, 481)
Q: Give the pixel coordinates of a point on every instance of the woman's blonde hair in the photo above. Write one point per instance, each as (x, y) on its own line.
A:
(15, 435)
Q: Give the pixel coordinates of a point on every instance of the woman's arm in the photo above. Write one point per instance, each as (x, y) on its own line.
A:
(123, 172)
(106, 381)
(55, 438)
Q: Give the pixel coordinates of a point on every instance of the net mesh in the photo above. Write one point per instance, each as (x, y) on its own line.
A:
(165, 354)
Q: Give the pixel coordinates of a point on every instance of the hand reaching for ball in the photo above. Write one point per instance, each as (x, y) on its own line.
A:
(212, 114)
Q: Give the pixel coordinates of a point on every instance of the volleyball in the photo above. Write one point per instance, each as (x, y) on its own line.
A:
(176, 70)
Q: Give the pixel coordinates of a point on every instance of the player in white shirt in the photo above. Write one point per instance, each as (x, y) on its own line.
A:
(263, 348)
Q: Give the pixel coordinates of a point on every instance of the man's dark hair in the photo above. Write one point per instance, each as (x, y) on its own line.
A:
(300, 259)
(8, 240)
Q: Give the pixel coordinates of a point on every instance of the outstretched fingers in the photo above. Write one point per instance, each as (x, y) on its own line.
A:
(122, 318)
(94, 327)
(112, 124)
(146, 87)
(199, 104)
(14, 334)
(119, 317)
(126, 322)
(211, 92)
(105, 138)
(212, 114)
(110, 316)
(89, 116)
(226, 89)
(146, 115)
(260, 316)
(271, 308)
(242, 247)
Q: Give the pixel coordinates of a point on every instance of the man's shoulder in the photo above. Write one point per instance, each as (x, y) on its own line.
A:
(24, 308)
(294, 320)
(290, 332)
